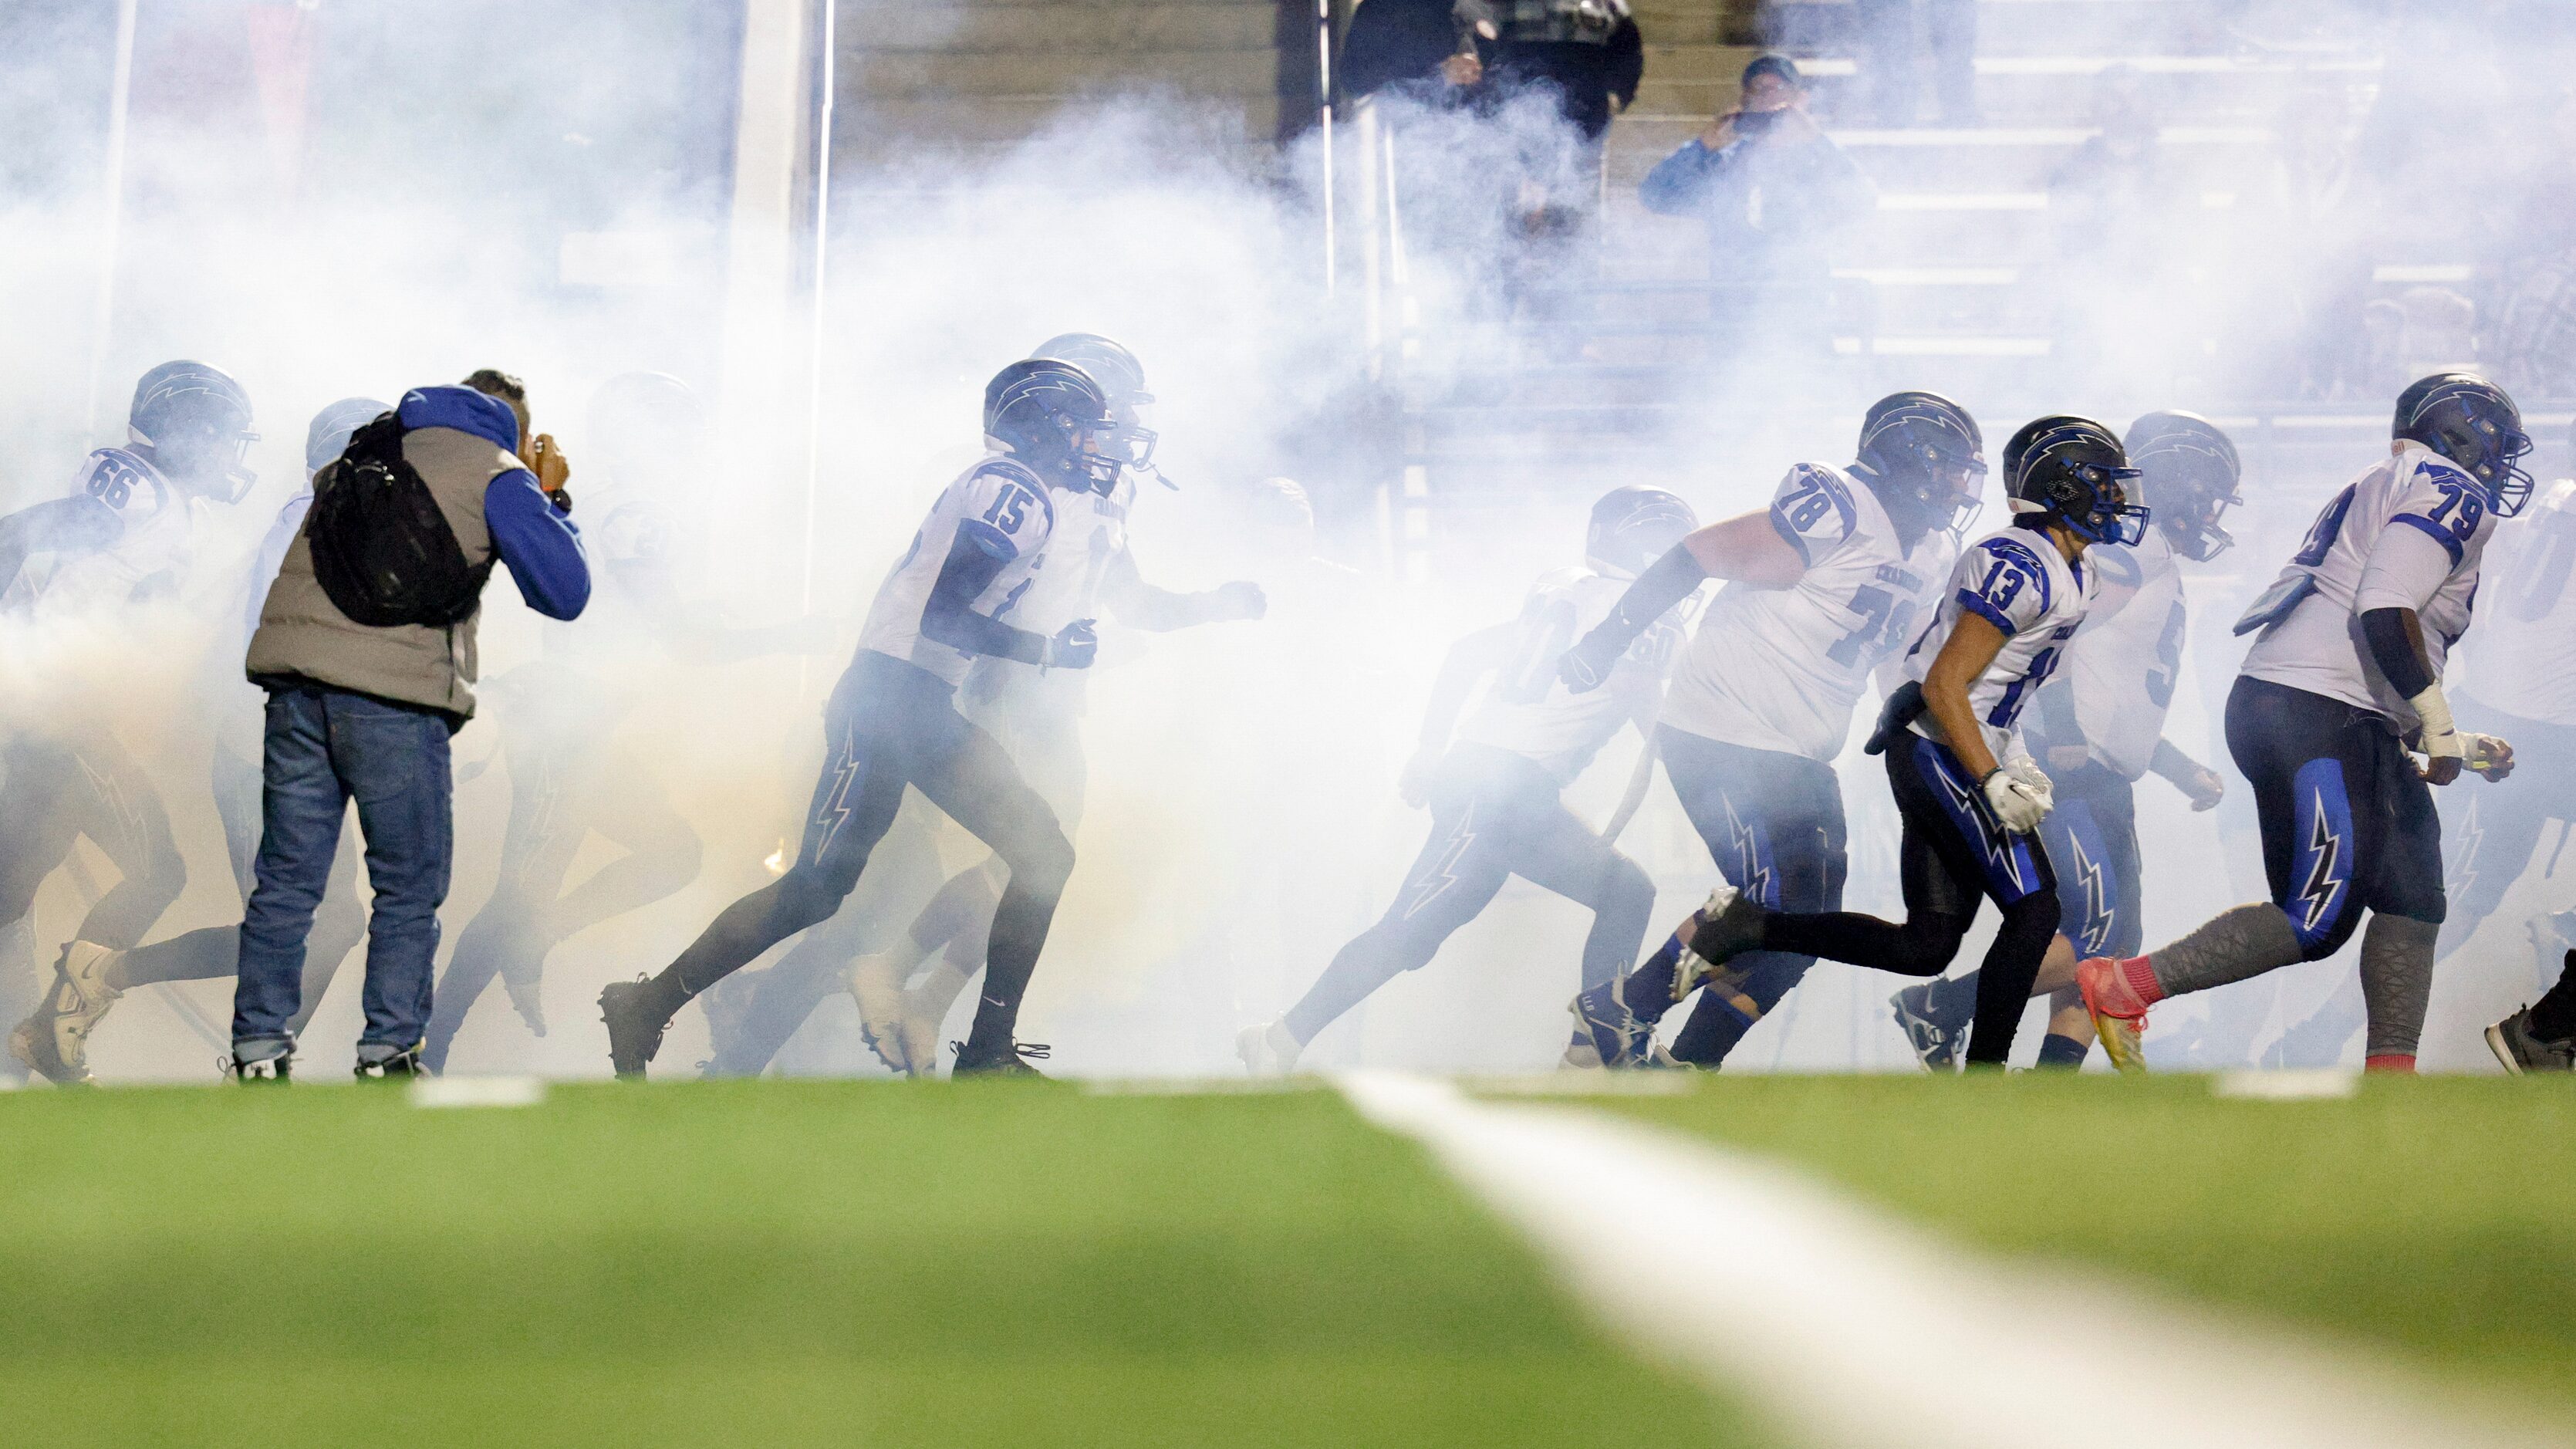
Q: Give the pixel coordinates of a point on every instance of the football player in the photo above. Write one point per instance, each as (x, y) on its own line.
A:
(1822, 588)
(1971, 799)
(1036, 716)
(91, 976)
(1495, 789)
(892, 721)
(2345, 673)
(124, 535)
(2098, 728)
(570, 778)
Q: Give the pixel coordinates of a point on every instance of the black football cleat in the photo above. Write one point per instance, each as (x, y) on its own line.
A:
(1012, 1061)
(634, 1027)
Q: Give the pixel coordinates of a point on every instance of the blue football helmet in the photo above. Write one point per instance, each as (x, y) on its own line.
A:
(196, 420)
(2470, 421)
(1121, 376)
(2188, 472)
(1925, 459)
(2074, 472)
(1633, 526)
(1055, 419)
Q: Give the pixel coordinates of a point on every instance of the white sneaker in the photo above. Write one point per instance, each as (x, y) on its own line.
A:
(54, 1039)
(1269, 1050)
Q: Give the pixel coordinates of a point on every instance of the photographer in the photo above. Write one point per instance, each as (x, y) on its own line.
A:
(364, 711)
(1770, 187)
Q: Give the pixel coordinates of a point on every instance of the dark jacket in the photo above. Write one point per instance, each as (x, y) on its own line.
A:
(1769, 205)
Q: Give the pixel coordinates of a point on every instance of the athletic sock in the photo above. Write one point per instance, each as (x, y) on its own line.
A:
(2399, 1062)
(2062, 1052)
(2238, 942)
(2553, 1016)
(1647, 992)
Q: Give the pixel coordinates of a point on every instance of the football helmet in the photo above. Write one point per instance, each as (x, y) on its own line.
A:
(1055, 419)
(196, 420)
(2188, 472)
(2470, 421)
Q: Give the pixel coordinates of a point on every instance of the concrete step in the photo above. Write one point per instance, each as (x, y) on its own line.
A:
(990, 123)
(2023, 26)
(872, 75)
(1061, 28)
(1982, 159)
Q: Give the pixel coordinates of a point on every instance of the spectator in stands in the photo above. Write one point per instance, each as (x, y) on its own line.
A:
(1586, 53)
(1900, 39)
(1772, 189)
(1413, 48)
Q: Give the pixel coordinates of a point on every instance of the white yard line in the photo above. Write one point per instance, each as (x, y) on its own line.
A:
(1854, 1329)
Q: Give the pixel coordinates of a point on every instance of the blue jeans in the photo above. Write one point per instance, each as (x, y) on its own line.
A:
(326, 747)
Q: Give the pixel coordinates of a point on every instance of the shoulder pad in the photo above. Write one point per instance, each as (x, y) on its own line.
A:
(124, 482)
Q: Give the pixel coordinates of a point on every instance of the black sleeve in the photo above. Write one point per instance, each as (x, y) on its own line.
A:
(950, 616)
(1625, 65)
(1666, 582)
(78, 524)
(1391, 41)
(2384, 630)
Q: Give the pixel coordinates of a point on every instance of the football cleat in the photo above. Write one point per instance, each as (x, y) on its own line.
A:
(1269, 1050)
(2522, 1052)
(526, 990)
(925, 1010)
(1726, 926)
(1937, 1037)
(1012, 1062)
(1606, 1032)
(876, 983)
(728, 1008)
(54, 1039)
(2105, 1000)
(634, 1027)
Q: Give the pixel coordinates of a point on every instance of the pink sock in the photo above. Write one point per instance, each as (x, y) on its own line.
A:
(2390, 1062)
(2140, 976)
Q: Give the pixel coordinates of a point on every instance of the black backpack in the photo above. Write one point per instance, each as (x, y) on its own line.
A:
(381, 549)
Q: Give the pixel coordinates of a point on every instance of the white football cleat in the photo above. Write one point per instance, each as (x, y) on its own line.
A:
(54, 1039)
(1268, 1050)
(876, 983)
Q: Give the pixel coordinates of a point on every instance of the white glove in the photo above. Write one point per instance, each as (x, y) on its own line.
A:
(2486, 754)
(2028, 771)
(2018, 804)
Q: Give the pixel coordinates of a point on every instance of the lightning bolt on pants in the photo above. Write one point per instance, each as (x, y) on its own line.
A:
(1773, 823)
(1494, 815)
(1951, 855)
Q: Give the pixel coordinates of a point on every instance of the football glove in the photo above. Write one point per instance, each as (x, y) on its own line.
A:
(1073, 647)
(2019, 806)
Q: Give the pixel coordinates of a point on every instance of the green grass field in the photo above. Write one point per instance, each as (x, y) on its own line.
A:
(2433, 1219)
(856, 1263)
(773, 1264)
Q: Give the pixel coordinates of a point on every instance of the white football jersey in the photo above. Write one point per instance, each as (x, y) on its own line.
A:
(156, 520)
(2017, 581)
(1003, 509)
(1529, 711)
(2124, 663)
(2524, 660)
(2318, 647)
(1780, 669)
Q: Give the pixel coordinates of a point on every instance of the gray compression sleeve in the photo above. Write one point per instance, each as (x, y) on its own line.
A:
(2238, 942)
(2396, 981)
